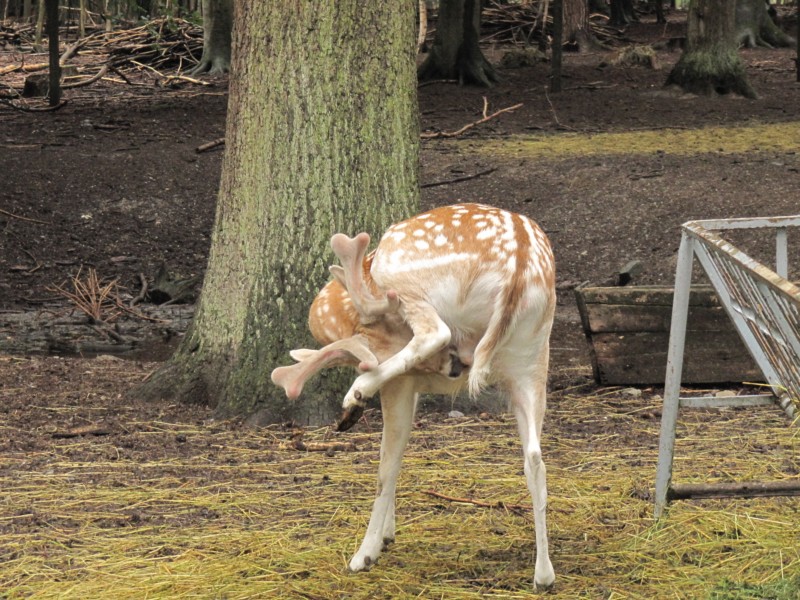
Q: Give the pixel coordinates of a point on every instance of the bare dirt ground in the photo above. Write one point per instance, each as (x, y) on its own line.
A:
(113, 181)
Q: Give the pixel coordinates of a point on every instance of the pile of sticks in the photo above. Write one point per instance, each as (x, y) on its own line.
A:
(164, 43)
(525, 24)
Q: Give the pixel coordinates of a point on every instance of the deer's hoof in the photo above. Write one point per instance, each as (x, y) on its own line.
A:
(350, 417)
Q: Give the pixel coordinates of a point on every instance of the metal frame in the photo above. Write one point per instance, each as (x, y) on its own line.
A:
(763, 305)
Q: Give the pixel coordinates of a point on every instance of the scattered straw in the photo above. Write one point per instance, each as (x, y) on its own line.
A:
(173, 505)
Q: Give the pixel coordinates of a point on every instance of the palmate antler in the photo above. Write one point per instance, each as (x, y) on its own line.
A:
(351, 253)
(352, 351)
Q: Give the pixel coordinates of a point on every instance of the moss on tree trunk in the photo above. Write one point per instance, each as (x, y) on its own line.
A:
(322, 136)
(711, 63)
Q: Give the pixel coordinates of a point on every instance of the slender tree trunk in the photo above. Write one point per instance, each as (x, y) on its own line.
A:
(107, 16)
(711, 63)
(622, 13)
(659, 6)
(558, 45)
(40, 12)
(52, 40)
(81, 19)
(217, 26)
(322, 136)
(455, 53)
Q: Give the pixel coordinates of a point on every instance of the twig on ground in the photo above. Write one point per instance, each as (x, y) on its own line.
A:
(553, 111)
(103, 70)
(500, 505)
(36, 263)
(210, 145)
(327, 447)
(142, 293)
(91, 297)
(459, 179)
(81, 431)
(450, 134)
(29, 109)
(13, 216)
(435, 81)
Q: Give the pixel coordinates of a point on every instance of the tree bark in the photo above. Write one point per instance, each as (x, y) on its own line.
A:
(711, 63)
(217, 28)
(576, 25)
(622, 13)
(455, 53)
(322, 136)
(754, 26)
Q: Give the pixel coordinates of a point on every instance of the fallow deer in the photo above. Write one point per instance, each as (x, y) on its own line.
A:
(459, 296)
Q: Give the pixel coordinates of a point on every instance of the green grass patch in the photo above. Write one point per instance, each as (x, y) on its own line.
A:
(731, 140)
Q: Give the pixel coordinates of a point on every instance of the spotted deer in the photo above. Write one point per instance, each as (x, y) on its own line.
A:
(459, 296)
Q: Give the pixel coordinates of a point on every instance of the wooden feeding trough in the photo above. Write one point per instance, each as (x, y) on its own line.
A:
(628, 333)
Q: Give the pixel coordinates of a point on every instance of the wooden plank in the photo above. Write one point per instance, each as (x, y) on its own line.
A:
(620, 318)
(628, 332)
(701, 295)
(750, 489)
(640, 358)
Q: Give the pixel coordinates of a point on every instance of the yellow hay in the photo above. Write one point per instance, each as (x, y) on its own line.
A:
(240, 515)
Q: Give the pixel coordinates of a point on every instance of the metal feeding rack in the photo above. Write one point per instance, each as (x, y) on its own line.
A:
(765, 309)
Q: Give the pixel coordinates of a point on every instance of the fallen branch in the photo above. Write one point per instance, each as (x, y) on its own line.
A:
(81, 431)
(142, 293)
(103, 70)
(451, 134)
(501, 505)
(24, 68)
(553, 111)
(29, 109)
(210, 145)
(459, 179)
(435, 81)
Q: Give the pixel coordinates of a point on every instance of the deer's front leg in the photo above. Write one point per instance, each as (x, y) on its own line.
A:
(431, 335)
(398, 401)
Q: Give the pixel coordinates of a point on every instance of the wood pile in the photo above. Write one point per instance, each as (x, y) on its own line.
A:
(163, 44)
(522, 24)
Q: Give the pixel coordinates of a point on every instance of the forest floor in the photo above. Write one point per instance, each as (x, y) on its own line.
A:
(610, 167)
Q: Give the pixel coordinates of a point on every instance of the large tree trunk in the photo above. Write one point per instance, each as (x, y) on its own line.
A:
(576, 26)
(754, 26)
(455, 53)
(322, 136)
(711, 63)
(217, 27)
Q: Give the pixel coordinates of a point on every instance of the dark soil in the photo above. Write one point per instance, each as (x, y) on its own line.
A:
(113, 180)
